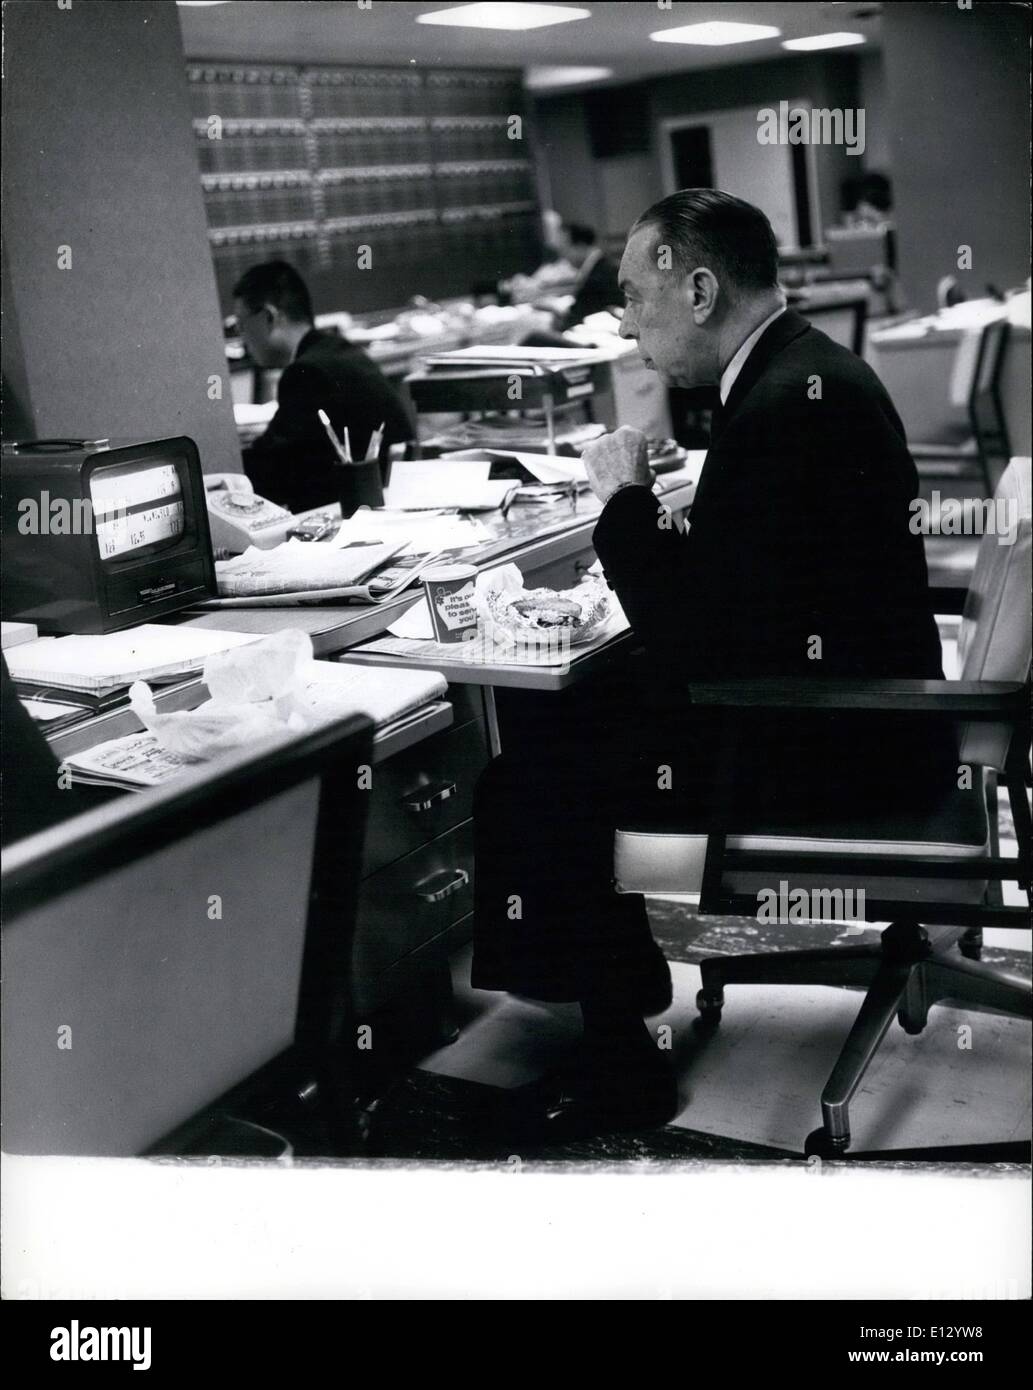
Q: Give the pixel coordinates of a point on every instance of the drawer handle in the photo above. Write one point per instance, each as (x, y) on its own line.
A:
(441, 886)
(422, 799)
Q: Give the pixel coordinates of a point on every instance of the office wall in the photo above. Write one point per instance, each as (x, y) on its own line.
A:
(575, 169)
(872, 96)
(99, 158)
(570, 184)
(957, 85)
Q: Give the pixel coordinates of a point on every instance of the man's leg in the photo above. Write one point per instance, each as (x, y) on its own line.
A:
(548, 922)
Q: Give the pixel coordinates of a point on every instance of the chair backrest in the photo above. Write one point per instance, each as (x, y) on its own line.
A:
(161, 949)
(986, 413)
(994, 641)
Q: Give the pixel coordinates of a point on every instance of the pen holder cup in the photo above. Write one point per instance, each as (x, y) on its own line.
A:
(359, 485)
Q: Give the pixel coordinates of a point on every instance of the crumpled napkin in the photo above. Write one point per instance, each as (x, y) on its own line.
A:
(254, 694)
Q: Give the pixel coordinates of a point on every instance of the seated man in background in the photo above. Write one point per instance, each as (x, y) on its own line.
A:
(595, 288)
(555, 269)
(292, 463)
(799, 562)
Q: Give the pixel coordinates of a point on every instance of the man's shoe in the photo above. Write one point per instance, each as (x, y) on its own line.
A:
(562, 1107)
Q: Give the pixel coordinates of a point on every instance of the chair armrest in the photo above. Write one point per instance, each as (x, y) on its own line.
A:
(989, 700)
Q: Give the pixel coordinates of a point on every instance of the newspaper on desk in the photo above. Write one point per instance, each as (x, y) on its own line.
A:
(374, 556)
(277, 688)
(132, 763)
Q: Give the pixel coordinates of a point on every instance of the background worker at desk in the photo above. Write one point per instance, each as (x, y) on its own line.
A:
(595, 286)
(293, 462)
(799, 562)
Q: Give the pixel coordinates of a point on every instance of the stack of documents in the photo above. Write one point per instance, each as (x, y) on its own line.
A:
(14, 634)
(302, 570)
(504, 358)
(514, 432)
(480, 479)
(373, 556)
(131, 763)
(330, 691)
(150, 652)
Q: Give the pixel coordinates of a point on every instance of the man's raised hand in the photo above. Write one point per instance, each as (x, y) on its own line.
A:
(617, 460)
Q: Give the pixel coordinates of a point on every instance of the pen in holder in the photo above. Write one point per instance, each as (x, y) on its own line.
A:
(359, 484)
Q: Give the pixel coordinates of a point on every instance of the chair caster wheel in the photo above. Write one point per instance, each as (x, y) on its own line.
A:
(819, 1144)
(709, 1007)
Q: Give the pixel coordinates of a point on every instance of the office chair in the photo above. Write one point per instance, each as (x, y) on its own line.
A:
(940, 868)
(183, 945)
(984, 456)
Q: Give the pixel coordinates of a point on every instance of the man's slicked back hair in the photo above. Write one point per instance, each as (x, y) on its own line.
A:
(705, 227)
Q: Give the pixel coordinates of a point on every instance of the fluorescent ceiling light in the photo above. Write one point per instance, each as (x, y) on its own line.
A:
(504, 16)
(200, 4)
(822, 41)
(563, 77)
(716, 33)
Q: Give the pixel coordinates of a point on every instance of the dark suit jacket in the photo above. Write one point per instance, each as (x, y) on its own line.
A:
(799, 536)
(598, 291)
(292, 463)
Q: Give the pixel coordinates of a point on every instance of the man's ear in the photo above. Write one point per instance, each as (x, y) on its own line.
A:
(703, 292)
(272, 315)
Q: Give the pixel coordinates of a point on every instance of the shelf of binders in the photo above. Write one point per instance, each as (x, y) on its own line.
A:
(308, 162)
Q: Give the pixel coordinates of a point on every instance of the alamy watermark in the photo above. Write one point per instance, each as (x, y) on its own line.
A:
(784, 904)
(66, 516)
(812, 125)
(965, 516)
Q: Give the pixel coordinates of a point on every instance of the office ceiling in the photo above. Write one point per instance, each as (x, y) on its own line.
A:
(616, 35)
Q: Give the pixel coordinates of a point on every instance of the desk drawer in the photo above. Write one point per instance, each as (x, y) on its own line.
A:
(421, 793)
(410, 902)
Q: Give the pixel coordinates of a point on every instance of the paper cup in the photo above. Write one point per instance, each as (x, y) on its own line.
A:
(449, 590)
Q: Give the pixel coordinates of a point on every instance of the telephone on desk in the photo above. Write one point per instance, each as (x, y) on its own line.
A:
(239, 517)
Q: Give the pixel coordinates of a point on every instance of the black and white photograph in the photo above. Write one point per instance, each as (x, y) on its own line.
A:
(516, 596)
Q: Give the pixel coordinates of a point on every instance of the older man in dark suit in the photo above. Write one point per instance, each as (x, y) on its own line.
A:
(799, 560)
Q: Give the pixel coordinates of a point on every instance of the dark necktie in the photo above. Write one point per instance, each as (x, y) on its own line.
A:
(718, 416)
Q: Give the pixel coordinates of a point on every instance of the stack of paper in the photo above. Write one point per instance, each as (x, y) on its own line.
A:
(532, 471)
(14, 634)
(300, 570)
(421, 533)
(329, 691)
(132, 763)
(385, 693)
(480, 479)
(514, 432)
(428, 484)
(504, 357)
(150, 652)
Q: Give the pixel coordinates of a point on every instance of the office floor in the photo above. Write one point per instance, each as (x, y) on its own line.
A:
(751, 1090)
